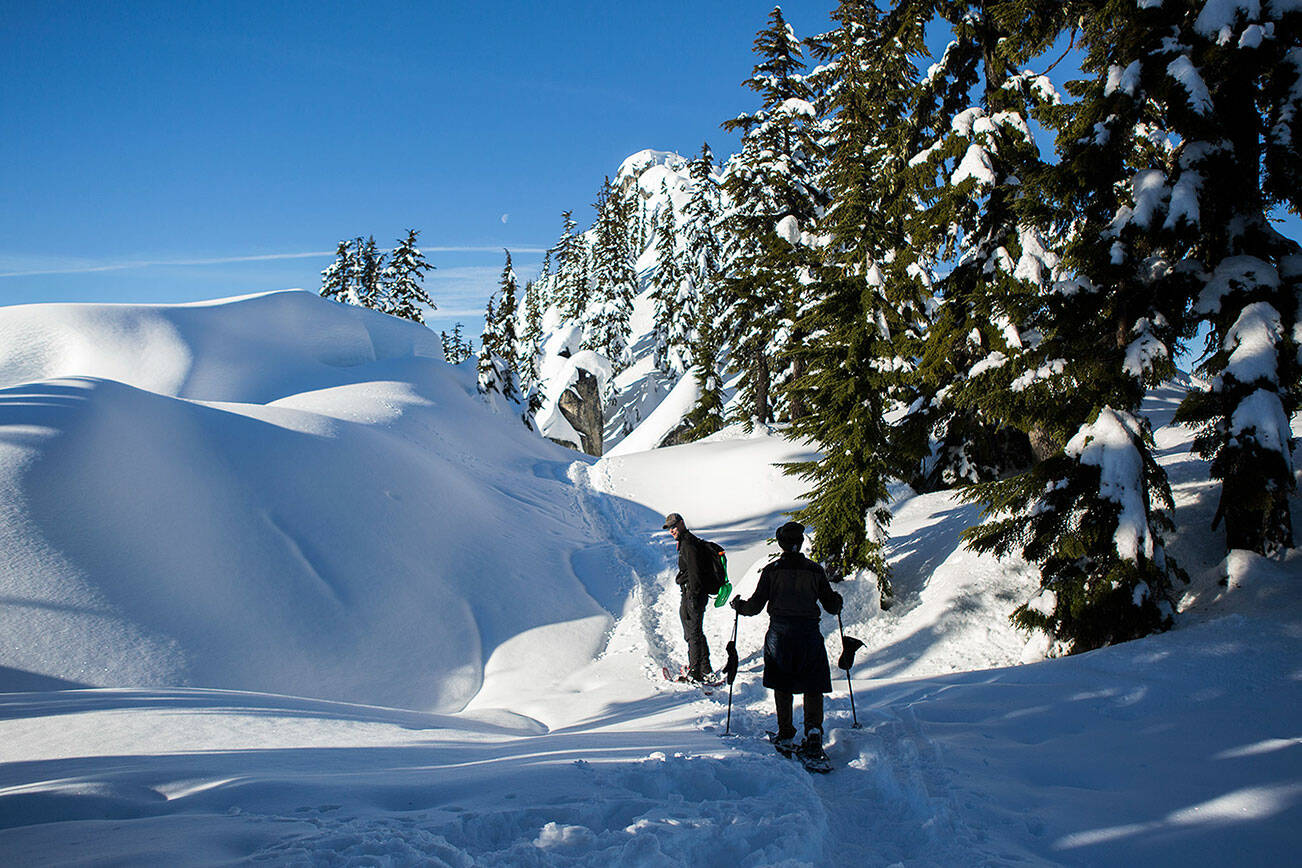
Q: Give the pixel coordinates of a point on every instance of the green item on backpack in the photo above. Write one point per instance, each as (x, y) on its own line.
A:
(721, 576)
(725, 592)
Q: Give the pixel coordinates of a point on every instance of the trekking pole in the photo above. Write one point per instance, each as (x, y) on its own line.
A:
(849, 645)
(730, 669)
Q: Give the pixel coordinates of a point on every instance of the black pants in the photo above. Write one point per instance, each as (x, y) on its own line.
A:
(691, 611)
(786, 722)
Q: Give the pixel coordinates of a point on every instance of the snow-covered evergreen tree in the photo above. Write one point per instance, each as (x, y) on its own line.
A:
(496, 362)
(773, 185)
(862, 314)
(673, 331)
(699, 299)
(456, 347)
(614, 281)
(1093, 516)
(337, 278)
(369, 268)
(977, 163)
(403, 279)
(571, 286)
(1234, 117)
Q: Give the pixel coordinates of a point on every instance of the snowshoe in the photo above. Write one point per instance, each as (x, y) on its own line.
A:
(707, 684)
(787, 747)
(811, 753)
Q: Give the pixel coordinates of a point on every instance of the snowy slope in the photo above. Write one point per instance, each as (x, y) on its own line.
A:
(276, 493)
(1178, 749)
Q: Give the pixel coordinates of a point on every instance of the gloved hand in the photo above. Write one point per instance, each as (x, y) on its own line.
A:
(735, 602)
(837, 602)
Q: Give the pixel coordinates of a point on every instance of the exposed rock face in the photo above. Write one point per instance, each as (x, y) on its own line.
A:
(581, 406)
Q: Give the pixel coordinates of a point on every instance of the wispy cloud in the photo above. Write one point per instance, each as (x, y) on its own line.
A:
(90, 267)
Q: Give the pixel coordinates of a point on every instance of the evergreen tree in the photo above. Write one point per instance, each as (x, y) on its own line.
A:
(456, 348)
(571, 282)
(504, 333)
(370, 289)
(1234, 84)
(864, 311)
(1093, 515)
(980, 217)
(336, 279)
(404, 293)
(699, 301)
(672, 330)
(530, 349)
(609, 316)
(773, 185)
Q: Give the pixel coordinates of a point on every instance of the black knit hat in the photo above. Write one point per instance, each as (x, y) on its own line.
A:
(791, 535)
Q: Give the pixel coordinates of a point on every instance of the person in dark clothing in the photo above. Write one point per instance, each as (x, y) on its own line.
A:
(692, 564)
(795, 659)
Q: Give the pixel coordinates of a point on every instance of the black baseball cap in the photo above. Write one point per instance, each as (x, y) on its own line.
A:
(673, 519)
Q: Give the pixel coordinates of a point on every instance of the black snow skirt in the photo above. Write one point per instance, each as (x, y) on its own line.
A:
(795, 660)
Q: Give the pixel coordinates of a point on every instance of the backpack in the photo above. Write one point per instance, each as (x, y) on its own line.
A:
(717, 576)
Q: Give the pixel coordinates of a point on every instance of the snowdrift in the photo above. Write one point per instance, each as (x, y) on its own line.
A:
(275, 493)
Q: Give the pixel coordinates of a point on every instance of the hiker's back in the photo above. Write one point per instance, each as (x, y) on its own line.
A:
(795, 585)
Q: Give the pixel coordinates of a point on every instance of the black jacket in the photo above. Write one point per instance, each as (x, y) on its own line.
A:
(692, 564)
(792, 586)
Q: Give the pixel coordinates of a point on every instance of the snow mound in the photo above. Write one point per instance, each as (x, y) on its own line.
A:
(275, 493)
(253, 349)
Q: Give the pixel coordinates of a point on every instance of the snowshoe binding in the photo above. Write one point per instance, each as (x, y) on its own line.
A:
(784, 745)
(811, 753)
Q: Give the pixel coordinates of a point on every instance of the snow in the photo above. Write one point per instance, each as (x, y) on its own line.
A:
(788, 228)
(1261, 416)
(1183, 70)
(1184, 200)
(991, 362)
(664, 419)
(1044, 372)
(1145, 349)
(1232, 274)
(793, 106)
(479, 684)
(976, 163)
(1216, 20)
(1252, 342)
(1108, 443)
(1125, 80)
(1149, 191)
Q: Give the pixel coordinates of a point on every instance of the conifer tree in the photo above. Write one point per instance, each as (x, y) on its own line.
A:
(456, 348)
(504, 333)
(531, 337)
(571, 282)
(336, 279)
(977, 163)
(864, 312)
(774, 188)
(609, 316)
(672, 330)
(1234, 73)
(699, 299)
(403, 279)
(1093, 516)
(370, 292)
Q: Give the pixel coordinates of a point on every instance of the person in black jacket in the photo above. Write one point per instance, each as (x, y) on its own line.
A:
(795, 659)
(692, 564)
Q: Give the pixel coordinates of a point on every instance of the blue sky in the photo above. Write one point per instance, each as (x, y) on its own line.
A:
(168, 152)
(178, 151)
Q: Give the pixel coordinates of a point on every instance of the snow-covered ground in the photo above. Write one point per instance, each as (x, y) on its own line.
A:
(277, 585)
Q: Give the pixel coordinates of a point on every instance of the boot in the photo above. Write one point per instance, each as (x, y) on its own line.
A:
(813, 746)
